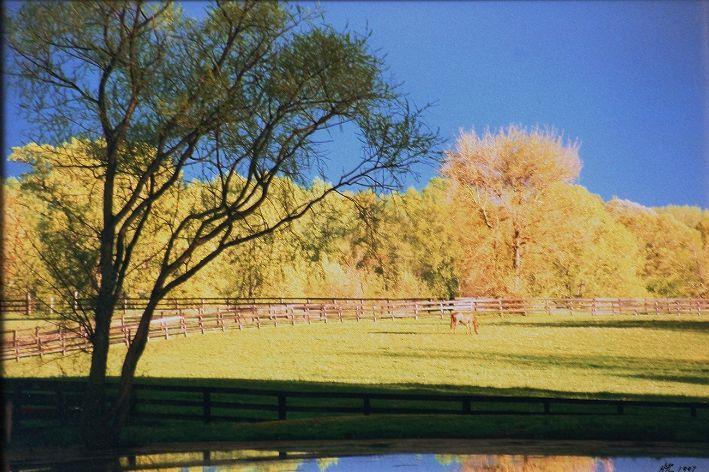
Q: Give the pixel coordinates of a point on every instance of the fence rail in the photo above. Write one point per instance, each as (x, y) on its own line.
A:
(30, 305)
(55, 306)
(60, 401)
(186, 319)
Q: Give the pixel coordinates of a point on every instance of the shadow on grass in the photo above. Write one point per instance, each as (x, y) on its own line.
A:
(648, 425)
(312, 386)
(699, 379)
(693, 326)
(669, 370)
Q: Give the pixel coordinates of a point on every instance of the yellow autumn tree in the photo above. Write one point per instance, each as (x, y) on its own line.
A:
(674, 255)
(503, 176)
(580, 250)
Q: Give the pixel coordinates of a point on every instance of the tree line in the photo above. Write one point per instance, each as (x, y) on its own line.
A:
(518, 227)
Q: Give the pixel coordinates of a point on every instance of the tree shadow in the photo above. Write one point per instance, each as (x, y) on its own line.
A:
(694, 326)
(411, 387)
(419, 333)
(688, 379)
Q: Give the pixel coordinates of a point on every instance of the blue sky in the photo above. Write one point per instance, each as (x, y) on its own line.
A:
(629, 80)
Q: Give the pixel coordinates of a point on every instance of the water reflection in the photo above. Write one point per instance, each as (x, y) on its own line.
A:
(313, 461)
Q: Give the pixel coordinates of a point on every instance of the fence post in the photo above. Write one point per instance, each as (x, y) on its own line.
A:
(61, 338)
(39, 341)
(207, 404)
(16, 408)
(61, 405)
(28, 304)
(85, 335)
(366, 407)
(281, 406)
(14, 343)
(133, 402)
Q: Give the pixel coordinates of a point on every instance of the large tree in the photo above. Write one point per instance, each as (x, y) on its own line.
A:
(217, 114)
(504, 176)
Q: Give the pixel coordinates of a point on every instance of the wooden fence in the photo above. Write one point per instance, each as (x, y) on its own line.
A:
(191, 316)
(48, 306)
(60, 401)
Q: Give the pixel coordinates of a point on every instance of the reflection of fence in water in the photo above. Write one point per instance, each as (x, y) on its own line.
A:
(195, 315)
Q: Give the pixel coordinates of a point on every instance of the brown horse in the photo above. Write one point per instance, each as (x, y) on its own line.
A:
(467, 320)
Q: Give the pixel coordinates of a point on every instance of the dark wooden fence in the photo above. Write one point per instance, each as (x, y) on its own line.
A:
(36, 401)
(187, 318)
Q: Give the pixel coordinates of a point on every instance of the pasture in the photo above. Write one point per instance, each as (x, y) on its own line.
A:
(572, 355)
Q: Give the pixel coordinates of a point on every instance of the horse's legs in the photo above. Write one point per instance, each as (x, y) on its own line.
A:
(475, 325)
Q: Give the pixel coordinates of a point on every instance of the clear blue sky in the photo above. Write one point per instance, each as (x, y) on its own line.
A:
(630, 80)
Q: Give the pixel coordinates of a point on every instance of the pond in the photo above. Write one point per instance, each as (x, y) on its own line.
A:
(416, 455)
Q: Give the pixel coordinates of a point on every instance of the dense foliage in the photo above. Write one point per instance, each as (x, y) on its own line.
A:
(430, 242)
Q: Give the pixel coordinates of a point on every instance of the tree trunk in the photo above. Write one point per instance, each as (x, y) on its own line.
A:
(517, 251)
(123, 403)
(517, 260)
(95, 429)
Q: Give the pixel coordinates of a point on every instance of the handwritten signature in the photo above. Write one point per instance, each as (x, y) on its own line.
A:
(670, 467)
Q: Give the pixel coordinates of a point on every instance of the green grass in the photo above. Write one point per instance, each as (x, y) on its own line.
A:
(21, 323)
(643, 357)
(576, 355)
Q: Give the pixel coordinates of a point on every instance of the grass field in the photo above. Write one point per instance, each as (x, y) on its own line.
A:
(579, 355)
(643, 357)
